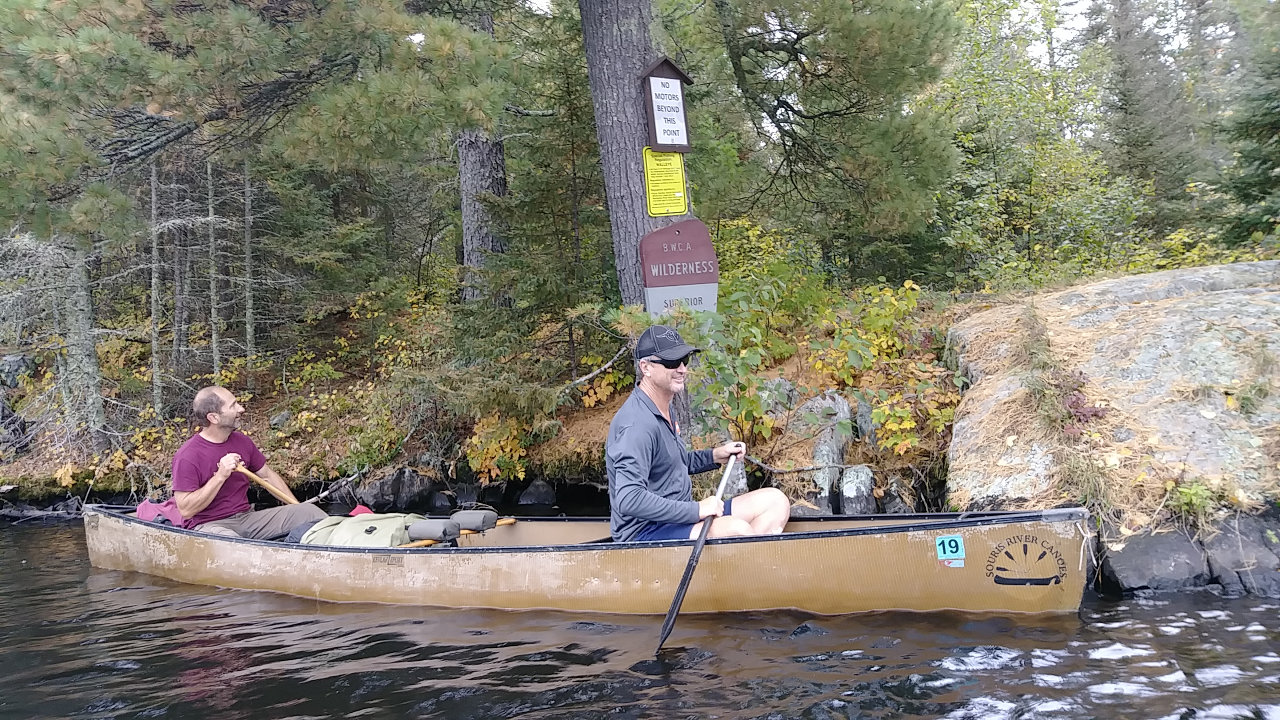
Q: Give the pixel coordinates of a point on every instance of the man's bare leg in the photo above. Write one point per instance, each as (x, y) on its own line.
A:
(766, 510)
(759, 512)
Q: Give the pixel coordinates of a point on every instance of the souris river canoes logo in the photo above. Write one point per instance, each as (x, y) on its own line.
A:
(1026, 560)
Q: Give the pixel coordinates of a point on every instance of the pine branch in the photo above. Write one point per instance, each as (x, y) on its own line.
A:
(514, 110)
(138, 134)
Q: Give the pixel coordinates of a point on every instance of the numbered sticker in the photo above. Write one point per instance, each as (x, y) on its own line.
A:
(950, 547)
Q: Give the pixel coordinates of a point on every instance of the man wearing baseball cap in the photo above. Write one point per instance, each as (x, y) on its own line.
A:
(650, 492)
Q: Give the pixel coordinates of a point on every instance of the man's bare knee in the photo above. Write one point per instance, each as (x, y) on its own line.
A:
(729, 527)
(774, 498)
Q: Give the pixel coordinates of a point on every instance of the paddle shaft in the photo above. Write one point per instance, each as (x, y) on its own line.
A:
(275, 491)
(670, 621)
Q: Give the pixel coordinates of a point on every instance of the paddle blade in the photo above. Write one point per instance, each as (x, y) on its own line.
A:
(670, 622)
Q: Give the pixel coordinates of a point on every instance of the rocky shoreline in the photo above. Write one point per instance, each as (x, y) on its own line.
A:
(1156, 398)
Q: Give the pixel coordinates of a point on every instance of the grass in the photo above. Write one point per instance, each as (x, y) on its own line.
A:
(1194, 502)
(1251, 397)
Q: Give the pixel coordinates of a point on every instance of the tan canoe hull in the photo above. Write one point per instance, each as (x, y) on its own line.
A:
(1013, 562)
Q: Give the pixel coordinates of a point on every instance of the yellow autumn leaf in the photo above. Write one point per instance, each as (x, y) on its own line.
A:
(65, 475)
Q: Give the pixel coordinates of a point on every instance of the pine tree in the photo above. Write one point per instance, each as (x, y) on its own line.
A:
(95, 90)
(1254, 131)
(829, 85)
(619, 47)
(1147, 134)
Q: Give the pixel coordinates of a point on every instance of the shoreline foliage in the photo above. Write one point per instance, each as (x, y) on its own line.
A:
(266, 195)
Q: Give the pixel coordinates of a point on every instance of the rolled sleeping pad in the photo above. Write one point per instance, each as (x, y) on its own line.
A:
(438, 529)
(475, 520)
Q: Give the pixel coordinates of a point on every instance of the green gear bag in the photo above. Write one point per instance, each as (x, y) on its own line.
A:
(372, 530)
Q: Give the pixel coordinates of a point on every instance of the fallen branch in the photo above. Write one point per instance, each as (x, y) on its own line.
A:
(779, 471)
(593, 373)
(23, 514)
(336, 486)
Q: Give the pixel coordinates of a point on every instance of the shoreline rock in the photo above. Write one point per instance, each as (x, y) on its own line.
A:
(1239, 556)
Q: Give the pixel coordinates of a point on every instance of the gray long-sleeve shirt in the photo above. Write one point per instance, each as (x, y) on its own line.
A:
(649, 470)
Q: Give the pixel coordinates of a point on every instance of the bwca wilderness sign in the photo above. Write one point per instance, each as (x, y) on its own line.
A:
(680, 268)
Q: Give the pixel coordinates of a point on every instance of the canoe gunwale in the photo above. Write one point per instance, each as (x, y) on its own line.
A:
(923, 522)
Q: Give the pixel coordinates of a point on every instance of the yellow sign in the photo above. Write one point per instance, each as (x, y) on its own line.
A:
(664, 183)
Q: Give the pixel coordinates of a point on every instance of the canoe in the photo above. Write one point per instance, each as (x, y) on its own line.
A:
(1017, 562)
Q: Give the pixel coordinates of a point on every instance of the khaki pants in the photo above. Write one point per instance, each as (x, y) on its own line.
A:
(264, 524)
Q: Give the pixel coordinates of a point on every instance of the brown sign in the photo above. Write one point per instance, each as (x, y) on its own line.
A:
(680, 268)
(663, 87)
(679, 254)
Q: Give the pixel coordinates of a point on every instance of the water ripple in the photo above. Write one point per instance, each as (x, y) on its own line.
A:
(83, 643)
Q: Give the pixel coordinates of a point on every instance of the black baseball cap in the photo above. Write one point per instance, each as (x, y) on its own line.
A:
(664, 342)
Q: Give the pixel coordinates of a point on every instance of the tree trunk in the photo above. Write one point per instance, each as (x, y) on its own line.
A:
(157, 388)
(83, 374)
(181, 301)
(250, 341)
(215, 319)
(616, 36)
(482, 172)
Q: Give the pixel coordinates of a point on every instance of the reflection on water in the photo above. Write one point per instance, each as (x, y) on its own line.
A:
(86, 643)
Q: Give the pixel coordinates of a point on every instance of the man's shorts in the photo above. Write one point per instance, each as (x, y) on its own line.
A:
(674, 531)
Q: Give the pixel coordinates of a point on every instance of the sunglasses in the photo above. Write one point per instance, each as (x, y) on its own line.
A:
(671, 364)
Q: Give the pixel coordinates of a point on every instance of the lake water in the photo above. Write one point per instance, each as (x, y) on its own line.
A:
(84, 643)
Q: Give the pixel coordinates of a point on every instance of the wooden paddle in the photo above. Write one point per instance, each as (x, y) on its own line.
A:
(670, 621)
(275, 491)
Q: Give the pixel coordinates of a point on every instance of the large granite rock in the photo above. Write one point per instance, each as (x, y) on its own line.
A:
(857, 491)
(1167, 561)
(1186, 362)
(836, 490)
(539, 492)
(1240, 554)
(1245, 556)
(405, 490)
(828, 450)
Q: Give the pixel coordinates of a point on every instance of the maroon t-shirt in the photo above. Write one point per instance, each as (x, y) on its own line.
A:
(197, 460)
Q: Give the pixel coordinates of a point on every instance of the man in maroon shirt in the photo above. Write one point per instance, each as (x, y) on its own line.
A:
(212, 495)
